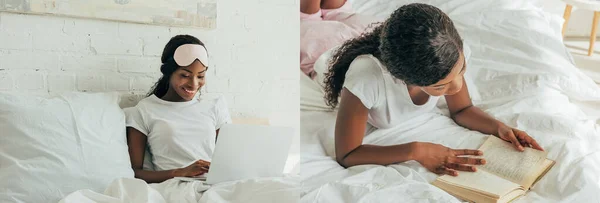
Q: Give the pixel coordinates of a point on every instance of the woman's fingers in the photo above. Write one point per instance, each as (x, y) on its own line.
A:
(513, 139)
(524, 137)
(450, 171)
(203, 163)
(467, 160)
(445, 170)
(535, 145)
(461, 167)
(466, 152)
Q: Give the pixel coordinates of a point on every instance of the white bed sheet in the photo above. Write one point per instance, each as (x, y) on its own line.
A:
(252, 190)
(524, 76)
(128, 190)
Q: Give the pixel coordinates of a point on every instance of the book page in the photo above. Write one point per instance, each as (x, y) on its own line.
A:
(504, 160)
(482, 182)
(546, 166)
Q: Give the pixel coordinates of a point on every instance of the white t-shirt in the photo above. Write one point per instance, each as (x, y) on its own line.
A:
(179, 132)
(385, 96)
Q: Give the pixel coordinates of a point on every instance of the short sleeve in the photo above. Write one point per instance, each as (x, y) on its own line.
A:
(135, 120)
(365, 80)
(221, 112)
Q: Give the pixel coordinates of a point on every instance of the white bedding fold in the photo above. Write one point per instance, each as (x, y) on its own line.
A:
(128, 190)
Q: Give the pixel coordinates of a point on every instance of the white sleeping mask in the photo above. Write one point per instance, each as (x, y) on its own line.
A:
(186, 54)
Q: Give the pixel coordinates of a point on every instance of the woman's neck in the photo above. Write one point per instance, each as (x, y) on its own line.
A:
(172, 96)
(417, 95)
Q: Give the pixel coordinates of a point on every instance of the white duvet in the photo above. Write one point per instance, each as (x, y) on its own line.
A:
(520, 72)
(182, 190)
(128, 190)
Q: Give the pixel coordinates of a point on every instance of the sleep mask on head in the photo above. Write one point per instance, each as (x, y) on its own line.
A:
(186, 54)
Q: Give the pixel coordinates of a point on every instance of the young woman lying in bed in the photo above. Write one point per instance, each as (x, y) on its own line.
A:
(396, 72)
(179, 126)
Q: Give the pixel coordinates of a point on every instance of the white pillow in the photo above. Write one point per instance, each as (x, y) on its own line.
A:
(51, 147)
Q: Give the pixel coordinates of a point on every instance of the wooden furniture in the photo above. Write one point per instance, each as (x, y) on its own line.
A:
(592, 5)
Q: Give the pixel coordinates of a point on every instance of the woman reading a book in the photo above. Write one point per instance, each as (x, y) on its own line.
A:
(396, 72)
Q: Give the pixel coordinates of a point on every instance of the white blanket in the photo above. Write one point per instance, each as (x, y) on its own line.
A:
(523, 76)
(174, 190)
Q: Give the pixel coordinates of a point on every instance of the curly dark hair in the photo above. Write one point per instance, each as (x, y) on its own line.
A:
(169, 66)
(418, 44)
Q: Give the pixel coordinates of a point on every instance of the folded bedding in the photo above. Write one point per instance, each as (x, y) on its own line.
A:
(127, 190)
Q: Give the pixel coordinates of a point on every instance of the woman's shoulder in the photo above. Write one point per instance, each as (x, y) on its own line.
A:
(215, 104)
(212, 99)
(139, 107)
(366, 61)
(365, 65)
(147, 100)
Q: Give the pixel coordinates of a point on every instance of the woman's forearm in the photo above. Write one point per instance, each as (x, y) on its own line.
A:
(155, 176)
(474, 118)
(379, 155)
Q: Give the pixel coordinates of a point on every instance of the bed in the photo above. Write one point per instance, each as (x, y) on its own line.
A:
(518, 71)
(253, 190)
(71, 148)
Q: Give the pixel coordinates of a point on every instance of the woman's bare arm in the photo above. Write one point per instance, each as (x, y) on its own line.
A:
(349, 132)
(465, 114)
(136, 141)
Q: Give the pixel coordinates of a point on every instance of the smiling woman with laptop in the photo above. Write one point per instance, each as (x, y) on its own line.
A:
(180, 127)
(176, 125)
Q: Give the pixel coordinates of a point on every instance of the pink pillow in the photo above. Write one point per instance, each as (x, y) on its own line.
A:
(321, 33)
(316, 37)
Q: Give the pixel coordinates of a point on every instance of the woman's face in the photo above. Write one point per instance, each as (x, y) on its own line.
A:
(452, 83)
(187, 81)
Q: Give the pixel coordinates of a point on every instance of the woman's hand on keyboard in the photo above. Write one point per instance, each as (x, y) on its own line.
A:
(195, 169)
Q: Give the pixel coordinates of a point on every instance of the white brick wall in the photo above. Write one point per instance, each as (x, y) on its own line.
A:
(61, 82)
(15, 41)
(254, 53)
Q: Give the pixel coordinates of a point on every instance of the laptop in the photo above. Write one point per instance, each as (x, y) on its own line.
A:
(246, 151)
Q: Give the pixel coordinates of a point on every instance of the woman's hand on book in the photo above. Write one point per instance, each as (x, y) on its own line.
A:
(195, 169)
(443, 160)
(517, 137)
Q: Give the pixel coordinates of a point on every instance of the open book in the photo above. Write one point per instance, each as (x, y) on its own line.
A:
(507, 174)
